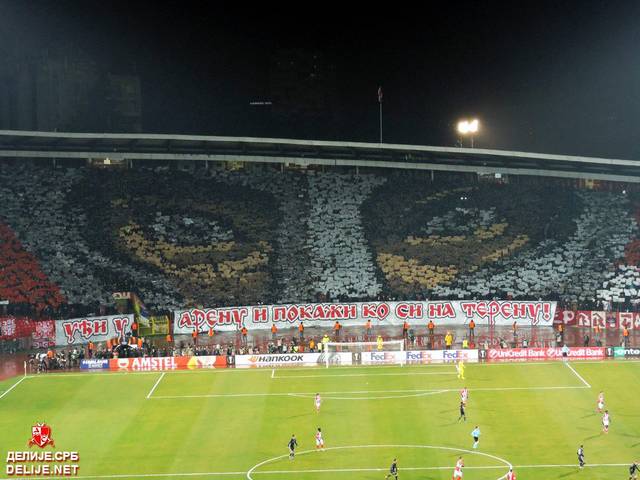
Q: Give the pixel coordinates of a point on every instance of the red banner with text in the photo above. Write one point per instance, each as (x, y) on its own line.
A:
(602, 319)
(77, 331)
(12, 328)
(256, 317)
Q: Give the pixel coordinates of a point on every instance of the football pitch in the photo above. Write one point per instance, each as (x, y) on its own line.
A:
(235, 424)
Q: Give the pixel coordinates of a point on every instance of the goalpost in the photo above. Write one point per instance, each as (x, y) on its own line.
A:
(370, 353)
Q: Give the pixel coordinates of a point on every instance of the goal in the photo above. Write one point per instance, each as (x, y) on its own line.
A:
(368, 353)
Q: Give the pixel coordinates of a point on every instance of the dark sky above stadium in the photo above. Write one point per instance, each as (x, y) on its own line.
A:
(549, 76)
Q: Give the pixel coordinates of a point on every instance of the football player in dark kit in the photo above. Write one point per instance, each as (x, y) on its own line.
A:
(393, 470)
(633, 471)
(463, 414)
(293, 443)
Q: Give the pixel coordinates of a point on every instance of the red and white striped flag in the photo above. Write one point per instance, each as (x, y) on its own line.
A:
(379, 94)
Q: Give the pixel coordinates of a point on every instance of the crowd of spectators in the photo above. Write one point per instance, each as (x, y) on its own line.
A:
(69, 238)
(575, 267)
(22, 282)
(168, 349)
(50, 359)
(341, 262)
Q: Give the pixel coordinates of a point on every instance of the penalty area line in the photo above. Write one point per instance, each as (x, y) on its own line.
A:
(365, 392)
(280, 377)
(155, 385)
(578, 375)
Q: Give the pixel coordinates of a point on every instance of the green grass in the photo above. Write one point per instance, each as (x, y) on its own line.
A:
(231, 420)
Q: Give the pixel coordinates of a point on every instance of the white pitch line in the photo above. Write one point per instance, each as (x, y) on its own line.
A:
(335, 470)
(379, 469)
(253, 469)
(285, 367)
(500, 389)
(578, 375)
(106, 374)
(347, 470)
(256, 369)
(487, 467)
(366, 375)
(156, 385)
(381, 397)
(567, 465)
(248, 369)
(364, 392)
(273, 373)
(151, 475)
(109, 374)
(13, 386)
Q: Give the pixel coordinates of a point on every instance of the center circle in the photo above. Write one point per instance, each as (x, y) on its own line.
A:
(253, 469)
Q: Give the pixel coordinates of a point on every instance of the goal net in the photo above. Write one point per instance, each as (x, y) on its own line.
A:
(368, 353)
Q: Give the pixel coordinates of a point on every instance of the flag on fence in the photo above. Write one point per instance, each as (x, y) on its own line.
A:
(142, 314)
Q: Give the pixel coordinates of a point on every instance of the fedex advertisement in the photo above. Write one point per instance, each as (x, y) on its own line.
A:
(419, 356)
(438, 356)
(378, 358)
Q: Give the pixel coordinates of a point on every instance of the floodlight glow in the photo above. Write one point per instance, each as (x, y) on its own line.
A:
(466, 127)
(463, 127)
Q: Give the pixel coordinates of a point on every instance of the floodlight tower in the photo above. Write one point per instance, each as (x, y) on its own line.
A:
(469, 128)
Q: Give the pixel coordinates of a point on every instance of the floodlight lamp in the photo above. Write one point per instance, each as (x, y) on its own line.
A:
(463, 127)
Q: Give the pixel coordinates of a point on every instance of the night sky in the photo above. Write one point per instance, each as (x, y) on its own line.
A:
(555, 77)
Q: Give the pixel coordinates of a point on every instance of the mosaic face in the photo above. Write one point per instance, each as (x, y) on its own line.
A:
(210, 240)
(180, 239)
(426, 237)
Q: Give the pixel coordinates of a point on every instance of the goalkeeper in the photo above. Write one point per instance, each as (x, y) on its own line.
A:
(460, 369)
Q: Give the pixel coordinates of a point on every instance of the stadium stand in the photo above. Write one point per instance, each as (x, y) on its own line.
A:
(70, 237)
(22, 281)
(341, 264)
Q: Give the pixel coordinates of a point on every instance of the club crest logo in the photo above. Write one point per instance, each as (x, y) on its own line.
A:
(41, 435)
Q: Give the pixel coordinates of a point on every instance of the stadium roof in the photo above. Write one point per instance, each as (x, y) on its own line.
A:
(27, 144)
